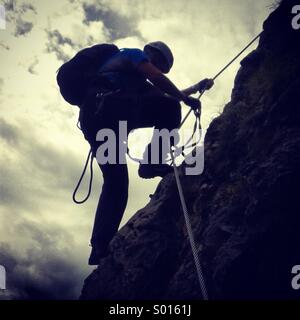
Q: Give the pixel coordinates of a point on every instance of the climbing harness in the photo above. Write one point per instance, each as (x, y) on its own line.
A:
(180, 190)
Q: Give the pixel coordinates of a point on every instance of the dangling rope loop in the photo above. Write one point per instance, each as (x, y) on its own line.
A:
(90, 159)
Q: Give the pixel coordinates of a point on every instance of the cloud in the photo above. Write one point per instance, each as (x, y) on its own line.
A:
(1, 88)
(94, 23)
(31, 67)
(8, 132)
(20, 14)
(23, 27)
(45, 270)
(59, 44)
(39, 254)
(59, 39)
(55, 171)
(10, 5)
(42, 257)
(119, 26)
(4, 46)
(24, 7)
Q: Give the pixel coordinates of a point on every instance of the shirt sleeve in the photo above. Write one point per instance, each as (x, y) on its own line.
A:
(135, 56)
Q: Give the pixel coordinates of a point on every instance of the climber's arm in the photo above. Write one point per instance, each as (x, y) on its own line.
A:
(204, 84)
(191, 90)
(162, 82)
(166, 85)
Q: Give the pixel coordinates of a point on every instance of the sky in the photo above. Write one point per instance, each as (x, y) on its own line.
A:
(44, 236)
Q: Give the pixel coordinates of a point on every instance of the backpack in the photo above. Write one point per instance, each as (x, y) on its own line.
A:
(75, 76)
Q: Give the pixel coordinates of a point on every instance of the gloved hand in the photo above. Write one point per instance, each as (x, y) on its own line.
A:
(205, 84)
(193, 103)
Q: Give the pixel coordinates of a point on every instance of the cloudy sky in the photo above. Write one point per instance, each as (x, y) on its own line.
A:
(44, 237)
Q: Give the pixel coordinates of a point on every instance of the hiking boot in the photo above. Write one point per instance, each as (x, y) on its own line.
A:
(149, 171)
(96, 255)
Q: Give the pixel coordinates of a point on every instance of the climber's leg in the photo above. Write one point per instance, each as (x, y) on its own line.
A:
(110, 210)
(114, 195)
(112, 202)
(162, 112)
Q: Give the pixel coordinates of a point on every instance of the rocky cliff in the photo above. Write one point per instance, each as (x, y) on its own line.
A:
(244, 208)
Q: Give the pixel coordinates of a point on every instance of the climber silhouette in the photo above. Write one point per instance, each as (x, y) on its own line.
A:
(137, 91)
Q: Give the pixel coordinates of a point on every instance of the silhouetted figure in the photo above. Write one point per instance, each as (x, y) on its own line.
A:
(128, 96)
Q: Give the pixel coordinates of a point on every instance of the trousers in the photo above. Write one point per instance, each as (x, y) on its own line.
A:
(148, 107)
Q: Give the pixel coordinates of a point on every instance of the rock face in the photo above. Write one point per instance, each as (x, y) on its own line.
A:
(244, 208)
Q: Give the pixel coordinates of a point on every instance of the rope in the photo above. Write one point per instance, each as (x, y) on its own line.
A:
(221, 71)
(197, 125)
(181, 150)
(137, 160)
(180, 190)
(90, 159)
(190, 232)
